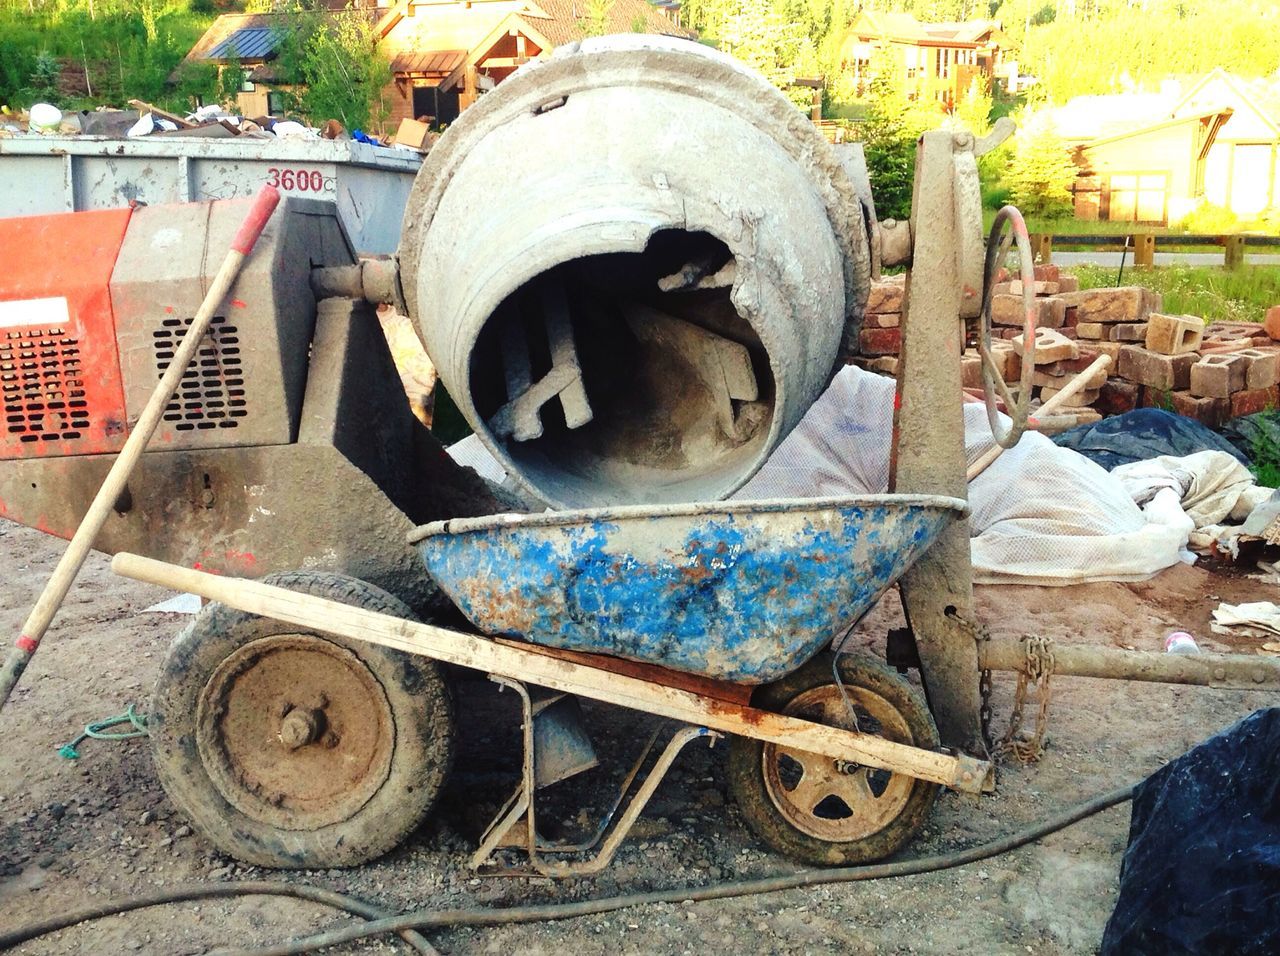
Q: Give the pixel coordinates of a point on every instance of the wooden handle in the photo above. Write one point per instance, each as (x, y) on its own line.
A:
(1048, 408)
(264, 204)
(64, 575)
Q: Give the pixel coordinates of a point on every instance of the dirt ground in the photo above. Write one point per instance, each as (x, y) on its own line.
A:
(72, 832)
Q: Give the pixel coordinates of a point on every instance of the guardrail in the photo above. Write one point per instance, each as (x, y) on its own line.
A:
(1143, 244)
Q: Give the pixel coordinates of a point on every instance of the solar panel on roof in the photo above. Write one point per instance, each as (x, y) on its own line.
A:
(246, 43)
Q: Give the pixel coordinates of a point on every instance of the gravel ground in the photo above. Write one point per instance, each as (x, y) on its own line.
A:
(73, 832)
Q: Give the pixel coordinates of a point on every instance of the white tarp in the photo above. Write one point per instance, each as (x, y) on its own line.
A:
(1040, 514)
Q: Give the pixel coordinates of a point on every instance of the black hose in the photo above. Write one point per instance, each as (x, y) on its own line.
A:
(436, 919)
(206, 891)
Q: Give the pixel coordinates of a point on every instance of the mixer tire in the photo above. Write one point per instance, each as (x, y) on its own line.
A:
(291, 748)
(827, 812)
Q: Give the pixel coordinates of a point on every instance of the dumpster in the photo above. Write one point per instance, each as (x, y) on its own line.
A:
(370, 184)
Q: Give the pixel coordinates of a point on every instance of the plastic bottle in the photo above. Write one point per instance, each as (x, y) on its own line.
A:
(1180, 642)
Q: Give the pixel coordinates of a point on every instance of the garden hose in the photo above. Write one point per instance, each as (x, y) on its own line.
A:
(205, 891)
(378, 923)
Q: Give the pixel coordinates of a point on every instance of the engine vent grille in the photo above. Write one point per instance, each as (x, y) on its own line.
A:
(211, 393)
(42, 384)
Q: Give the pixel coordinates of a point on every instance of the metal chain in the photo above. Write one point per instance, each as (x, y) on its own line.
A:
(1038, 670)
(984, 711)
(978, 631)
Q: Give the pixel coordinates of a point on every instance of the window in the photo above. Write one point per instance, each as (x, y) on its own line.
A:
(275, 103)
(1138, 197)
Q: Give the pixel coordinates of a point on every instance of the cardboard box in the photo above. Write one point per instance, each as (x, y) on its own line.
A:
(414, 134)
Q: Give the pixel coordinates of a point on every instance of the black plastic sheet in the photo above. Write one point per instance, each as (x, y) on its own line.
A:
(1141, 434)
(1202, 870)
(1255, 435)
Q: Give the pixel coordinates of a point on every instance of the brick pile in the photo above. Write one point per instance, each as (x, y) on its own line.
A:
(1208, 372)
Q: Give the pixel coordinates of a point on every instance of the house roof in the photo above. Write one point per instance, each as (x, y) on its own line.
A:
(1089, 117)
(248, 43)
(1162, 124)
(449, 24)
(1262, 96)
(442, 62)
(560, 21)
(263, 29)
(905, 28)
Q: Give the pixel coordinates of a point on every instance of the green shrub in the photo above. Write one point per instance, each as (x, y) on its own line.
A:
(1208, 219)
(1041, 172)
(43, 82)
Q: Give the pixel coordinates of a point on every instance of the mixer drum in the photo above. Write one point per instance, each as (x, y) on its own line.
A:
(633, 265)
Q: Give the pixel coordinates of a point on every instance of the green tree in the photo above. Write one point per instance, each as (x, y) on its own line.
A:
(762, 38)
(344, 71)
(230, 81)
(889, 133)
(594, 21)
(1041, 171)
(45, 73)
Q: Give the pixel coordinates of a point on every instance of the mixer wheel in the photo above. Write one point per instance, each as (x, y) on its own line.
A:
(835, 812)
(291, 748)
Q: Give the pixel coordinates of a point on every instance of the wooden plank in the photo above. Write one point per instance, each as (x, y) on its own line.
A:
(518, 663)
(143, 107)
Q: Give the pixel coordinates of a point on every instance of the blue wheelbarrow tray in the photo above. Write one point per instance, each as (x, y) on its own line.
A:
(743, 591)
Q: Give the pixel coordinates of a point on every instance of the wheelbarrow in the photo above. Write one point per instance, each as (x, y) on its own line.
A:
(716, 617)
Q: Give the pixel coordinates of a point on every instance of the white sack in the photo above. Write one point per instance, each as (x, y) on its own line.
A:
(1210, 483)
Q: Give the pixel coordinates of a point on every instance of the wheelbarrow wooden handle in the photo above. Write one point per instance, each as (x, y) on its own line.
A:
(64, 575)
(1048, 408)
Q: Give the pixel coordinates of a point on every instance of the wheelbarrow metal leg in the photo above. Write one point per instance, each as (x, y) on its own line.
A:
(516, 824)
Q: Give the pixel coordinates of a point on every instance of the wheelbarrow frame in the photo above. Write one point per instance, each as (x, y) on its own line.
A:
(710, 704)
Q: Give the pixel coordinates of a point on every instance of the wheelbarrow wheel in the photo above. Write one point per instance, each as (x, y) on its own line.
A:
(825, 811)
(290, 748)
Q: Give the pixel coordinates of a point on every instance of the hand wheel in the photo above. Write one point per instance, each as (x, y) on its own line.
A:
(998, 243)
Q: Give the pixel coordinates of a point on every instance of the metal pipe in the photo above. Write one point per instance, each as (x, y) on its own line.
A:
(1226, 671)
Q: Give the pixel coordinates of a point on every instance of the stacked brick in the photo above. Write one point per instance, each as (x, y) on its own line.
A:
(1208, 372)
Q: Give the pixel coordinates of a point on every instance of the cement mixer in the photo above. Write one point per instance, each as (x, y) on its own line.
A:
(635, 266)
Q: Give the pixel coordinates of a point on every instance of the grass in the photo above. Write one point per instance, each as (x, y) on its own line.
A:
(112, 48)
(1214, 294)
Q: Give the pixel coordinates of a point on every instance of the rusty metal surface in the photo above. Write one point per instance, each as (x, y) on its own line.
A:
(837, 800)
(295, 731)
(745, 591)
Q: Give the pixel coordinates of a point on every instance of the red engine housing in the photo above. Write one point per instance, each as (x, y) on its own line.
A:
(60, 381)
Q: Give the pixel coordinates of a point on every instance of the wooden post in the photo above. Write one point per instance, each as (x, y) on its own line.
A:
(937, 592)
(1234, 249)
(1144, 249)
(1042, 247)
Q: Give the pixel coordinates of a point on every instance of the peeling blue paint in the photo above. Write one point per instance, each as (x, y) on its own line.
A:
(726, 591)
